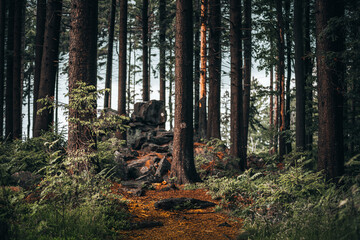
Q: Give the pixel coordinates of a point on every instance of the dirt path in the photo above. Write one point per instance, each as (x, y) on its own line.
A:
(193, 224)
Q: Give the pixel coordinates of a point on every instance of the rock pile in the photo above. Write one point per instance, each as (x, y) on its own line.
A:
(147, 156)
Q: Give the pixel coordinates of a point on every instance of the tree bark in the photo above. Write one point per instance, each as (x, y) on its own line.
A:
(49, 65)
(213, 127)
(122, 57)
(183, 167)
(202, 100)
(236, 82)
(162, 34)
(82, 67)
(122, 62)
(281, 76)
(9, 73)
(330, 74)
(2, 64)
(288, 77)
(17, 76)
(299, 75)
(39, 45)
(247, 71)
(308, 81)
(271, 109)
(197, 66)
(108, 77)
(145, 49)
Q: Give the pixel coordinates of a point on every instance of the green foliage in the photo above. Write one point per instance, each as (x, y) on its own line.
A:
(30, 155)
(214, 159)
(292, 203)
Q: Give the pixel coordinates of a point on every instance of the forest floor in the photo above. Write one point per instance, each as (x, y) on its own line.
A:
(178, 224)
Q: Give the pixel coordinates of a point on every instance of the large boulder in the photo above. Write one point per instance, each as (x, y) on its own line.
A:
(150, 112)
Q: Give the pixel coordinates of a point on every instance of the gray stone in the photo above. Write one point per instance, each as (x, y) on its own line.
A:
(150, 112)
(163, 167)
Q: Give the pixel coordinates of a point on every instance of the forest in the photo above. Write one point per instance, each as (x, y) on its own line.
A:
(179, 119)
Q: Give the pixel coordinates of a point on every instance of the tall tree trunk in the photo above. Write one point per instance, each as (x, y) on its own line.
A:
(171, 80)
(122, 62)
(247, 71)
(82, 66)
(213, 127)
(145, 49)
(128, 99)
(197, 66)
(236, 82)
(2, 64)
(276, 111)
(299, 75)
(39, 44)
(162, 34)
(308, 81)
(288, 71)
(281, 76)
(108, 77)
(49, 65)
(271, 109)
(9, 73)
(202, 100)
(330, 74)
(17, 76)
(183, 167)
(122, 57)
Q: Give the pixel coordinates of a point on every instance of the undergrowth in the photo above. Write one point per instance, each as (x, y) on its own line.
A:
(62, 202)
(292, 202)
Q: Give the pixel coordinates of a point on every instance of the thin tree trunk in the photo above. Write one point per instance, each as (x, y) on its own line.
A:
(129, 75)
(330, 74)
(271, 109)
(202, 100)
(276, 111)
(213, 127)
(299, 75)
(183, 167)
(288, 71)
(247, 72)
(49, 66)
(171, 115)
(145, 50)
(9, 73)
(17, 76)
(39, 44)
(308, 81)
(57, 101)
(122, 62)
(236, 82)
(281, 76)
(162, 32)
(122, 58)
(2, 64)
(108, 77)
(197, 66)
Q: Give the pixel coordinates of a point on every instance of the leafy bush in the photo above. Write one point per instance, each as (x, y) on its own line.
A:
(292, 203)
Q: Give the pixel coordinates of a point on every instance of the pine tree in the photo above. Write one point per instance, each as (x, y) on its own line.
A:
(49, 66)
(39, 43)
(108, 77)
(82, 67)
(183, 167)
(330, 75)
(236, 82)
(213, 127)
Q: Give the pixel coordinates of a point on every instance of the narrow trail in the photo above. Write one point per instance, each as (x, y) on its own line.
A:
(180, 224)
